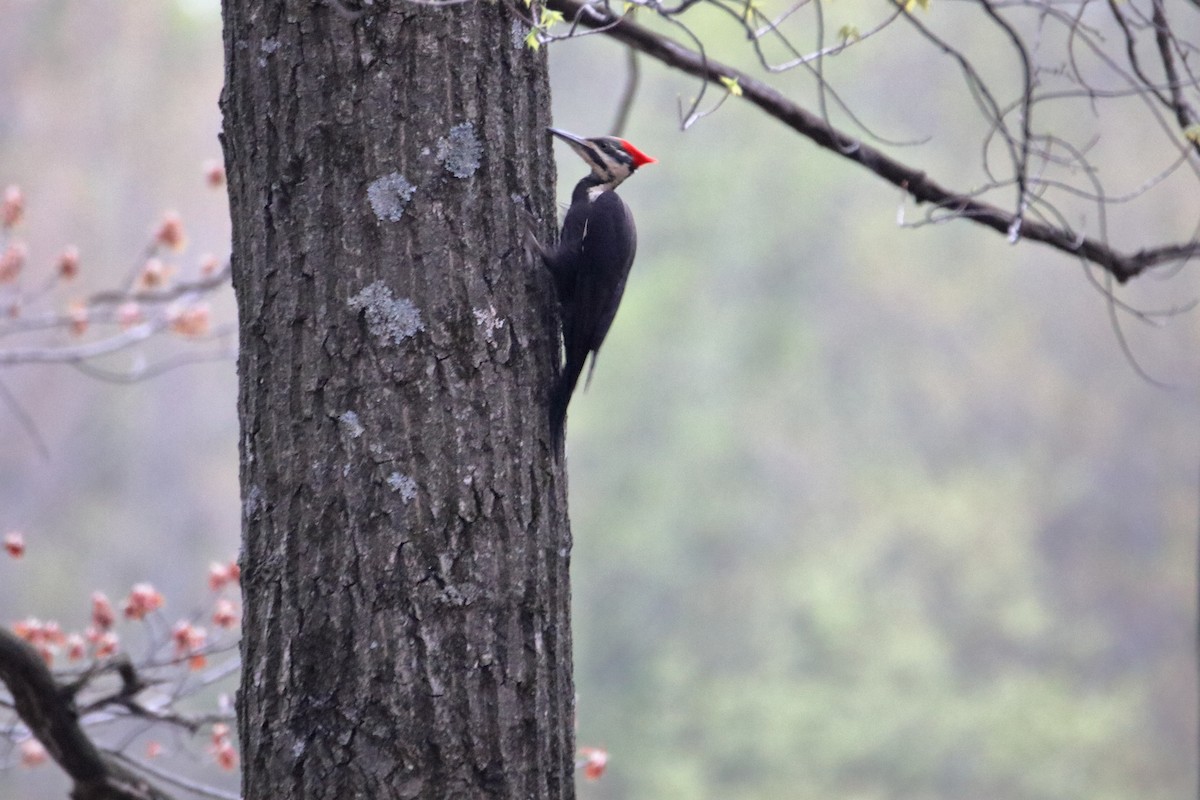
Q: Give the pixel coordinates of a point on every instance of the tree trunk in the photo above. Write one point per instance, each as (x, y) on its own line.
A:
(406, 630)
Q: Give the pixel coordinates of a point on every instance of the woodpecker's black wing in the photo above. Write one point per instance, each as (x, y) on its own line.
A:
(565, 260)
(608, 247)
(596, 250)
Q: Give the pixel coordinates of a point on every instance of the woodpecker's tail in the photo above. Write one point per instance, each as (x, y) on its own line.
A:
(560, 396)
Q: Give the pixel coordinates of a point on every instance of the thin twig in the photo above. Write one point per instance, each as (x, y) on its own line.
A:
(168, 777)
(25, 421)
(632, 76)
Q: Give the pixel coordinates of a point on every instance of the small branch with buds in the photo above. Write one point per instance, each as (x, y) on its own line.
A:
(60, 713)
(149, 299)
(48, 710)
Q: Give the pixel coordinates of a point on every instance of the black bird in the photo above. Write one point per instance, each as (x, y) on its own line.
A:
(592, 258)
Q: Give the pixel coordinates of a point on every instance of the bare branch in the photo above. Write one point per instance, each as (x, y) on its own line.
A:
(1022, 161)
(177, 780)
(632, 76)
(82, 352)
(144, 371)
(173, 292)
(918, 185)
(1184, 113)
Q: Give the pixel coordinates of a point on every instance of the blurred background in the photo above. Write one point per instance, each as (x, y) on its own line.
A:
(860, 510)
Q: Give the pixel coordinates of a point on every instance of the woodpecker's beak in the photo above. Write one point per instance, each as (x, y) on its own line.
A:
(584, 149)
(580, 145)
(569, 138)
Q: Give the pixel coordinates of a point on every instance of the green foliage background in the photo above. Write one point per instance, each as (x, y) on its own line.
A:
(860, 511)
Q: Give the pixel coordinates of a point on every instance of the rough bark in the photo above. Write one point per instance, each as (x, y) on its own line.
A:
(406, 628)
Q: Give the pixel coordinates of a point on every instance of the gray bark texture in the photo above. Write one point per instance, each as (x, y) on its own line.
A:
(406, 631)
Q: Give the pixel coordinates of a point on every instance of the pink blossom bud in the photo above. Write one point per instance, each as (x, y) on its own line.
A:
(129, 314)
(11, 261)
(154, 274)
(77, 314)
(12, 207)
(14, 543)
(594, 760)
(143, 598)
(170, 233)
(33, 754)
(191, 321)
(226, 756)
(102, 611)
(214, 173)
(224, 614)
(68, 262)
(107, 645)
(209, 265)
(76, 647)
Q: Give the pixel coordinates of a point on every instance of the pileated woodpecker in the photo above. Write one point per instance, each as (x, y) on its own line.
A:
(592, 259)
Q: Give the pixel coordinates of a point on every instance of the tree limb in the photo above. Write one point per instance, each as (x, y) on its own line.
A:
(923, 189)
(47, 709)
(1184, 114)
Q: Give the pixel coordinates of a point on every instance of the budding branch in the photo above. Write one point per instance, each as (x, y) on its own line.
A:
(48, 710)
